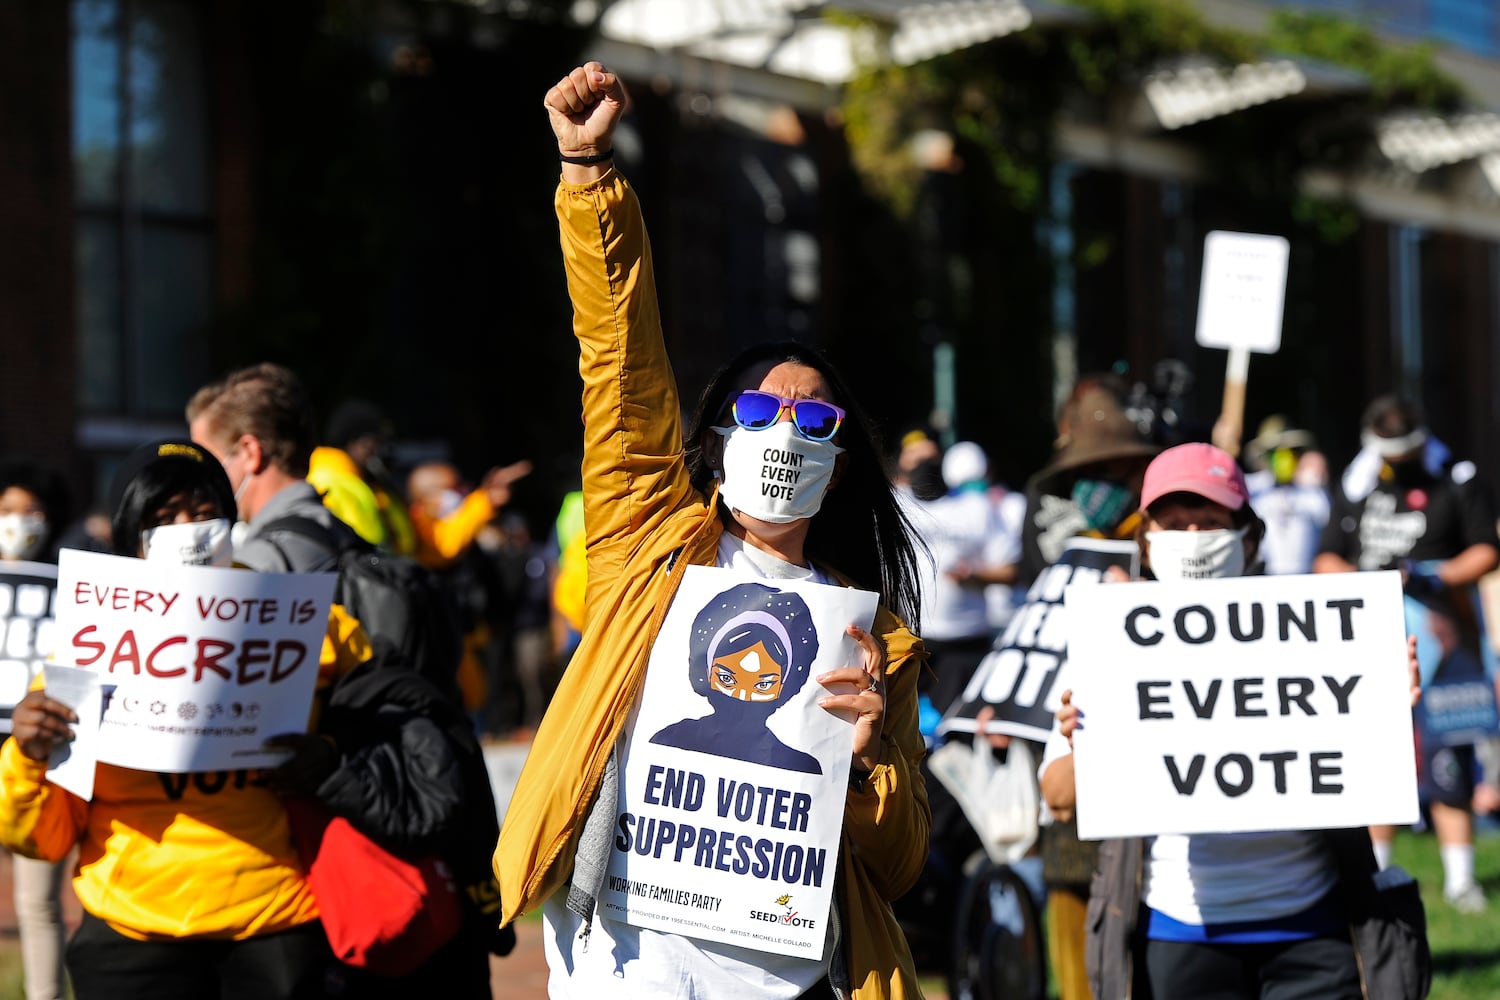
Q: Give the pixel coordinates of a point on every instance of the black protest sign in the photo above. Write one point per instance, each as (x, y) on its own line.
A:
(1023, 677)
(27, 595)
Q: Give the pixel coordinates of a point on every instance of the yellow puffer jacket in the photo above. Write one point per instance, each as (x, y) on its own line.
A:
(639, 509)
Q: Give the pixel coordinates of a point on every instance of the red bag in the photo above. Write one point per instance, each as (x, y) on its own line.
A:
(380, 912)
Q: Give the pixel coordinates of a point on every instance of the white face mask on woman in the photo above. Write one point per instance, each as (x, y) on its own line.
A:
(776, 474)
(196, 543)
(1197, 555)
(22, 535)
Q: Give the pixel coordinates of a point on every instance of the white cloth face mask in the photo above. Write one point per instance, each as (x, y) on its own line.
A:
(196, 543)
(22, 535)
(776, 474)
(1197, 555)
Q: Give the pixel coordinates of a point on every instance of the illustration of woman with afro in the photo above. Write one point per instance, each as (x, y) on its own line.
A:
(750, 653)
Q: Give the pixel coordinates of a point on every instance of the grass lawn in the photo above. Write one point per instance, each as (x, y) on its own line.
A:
(1465, 948)
(11, 983)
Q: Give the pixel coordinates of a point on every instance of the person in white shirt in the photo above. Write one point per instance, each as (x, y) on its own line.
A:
(1244, 915)
(971, 549)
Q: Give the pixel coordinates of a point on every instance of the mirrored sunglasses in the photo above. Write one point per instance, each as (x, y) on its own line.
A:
(814, 419)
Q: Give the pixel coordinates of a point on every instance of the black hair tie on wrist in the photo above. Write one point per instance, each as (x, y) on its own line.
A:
(588, 161)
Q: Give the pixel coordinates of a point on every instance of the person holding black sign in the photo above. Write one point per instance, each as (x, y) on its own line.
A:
(1248, 915)
(1404, 503)
(779, 477)
(1091, 489)
(33, 512)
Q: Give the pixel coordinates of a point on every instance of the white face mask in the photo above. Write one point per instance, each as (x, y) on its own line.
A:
(22, 535)
(775, 474)
(1197, 555)
(197, 543)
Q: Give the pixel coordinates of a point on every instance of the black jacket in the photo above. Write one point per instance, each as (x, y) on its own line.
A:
(411, 773)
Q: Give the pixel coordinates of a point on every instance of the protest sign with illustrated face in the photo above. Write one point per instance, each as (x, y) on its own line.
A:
(1024, 676)
(1458, 697)
(732, 782)
(204, 663)
(1239, 705)
(26, 629)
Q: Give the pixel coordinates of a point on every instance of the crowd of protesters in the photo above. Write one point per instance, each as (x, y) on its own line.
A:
(555, 620)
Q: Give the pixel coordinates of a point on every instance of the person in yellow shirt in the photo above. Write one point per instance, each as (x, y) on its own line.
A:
(445, 518)
(190, 884)
(350, 473)
(446, 522)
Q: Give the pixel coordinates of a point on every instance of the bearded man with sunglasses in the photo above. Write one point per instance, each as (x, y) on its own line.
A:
(780, 479)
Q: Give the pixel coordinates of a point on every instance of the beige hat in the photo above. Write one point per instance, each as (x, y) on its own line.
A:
(1274, 432)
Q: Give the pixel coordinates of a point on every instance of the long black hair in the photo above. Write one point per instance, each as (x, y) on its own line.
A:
(152, 475)
(860, 530)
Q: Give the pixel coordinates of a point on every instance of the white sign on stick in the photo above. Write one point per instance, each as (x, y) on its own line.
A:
(733, 780)
(1244, 285)
(1255, 703)
(204, 663)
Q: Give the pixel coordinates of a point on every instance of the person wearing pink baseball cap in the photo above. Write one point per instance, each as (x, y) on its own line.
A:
(1196, 518)
(1212, 915)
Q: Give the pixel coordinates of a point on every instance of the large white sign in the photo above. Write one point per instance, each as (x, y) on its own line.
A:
(1258, 703)
(1240, 299)
(26, 629)
(732, 783)
(199, 665)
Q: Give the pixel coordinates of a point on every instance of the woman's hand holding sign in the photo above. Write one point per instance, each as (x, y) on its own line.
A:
(39, 723)
(861, 691)
(1413, 670)
(1069, 717)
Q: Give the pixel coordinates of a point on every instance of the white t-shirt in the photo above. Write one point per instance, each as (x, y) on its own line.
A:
(1001, 599)
(1294, 516)
(960, 528)
(622, 961)
(1205, 878)
(1210, 878)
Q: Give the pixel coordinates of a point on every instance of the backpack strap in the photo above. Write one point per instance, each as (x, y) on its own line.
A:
(330, 538)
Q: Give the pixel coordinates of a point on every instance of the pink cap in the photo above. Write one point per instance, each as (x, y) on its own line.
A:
(1195, 468)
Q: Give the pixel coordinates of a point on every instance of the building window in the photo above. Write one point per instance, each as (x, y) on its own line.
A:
(144, 228)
